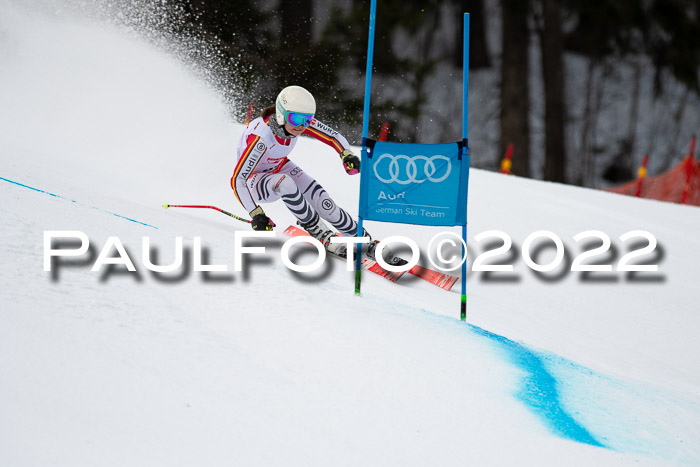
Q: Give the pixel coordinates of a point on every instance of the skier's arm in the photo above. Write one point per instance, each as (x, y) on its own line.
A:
(326, 134)
(249, 159)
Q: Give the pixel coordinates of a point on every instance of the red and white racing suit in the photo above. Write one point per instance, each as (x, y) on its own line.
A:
(264, 174)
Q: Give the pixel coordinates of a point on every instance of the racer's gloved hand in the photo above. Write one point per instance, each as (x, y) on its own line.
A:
(351, 163)
(259, 220)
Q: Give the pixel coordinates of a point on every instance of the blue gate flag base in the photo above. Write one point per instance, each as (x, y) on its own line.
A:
(420, 184)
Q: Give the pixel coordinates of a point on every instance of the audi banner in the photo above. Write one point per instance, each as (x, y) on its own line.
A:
(423, 184)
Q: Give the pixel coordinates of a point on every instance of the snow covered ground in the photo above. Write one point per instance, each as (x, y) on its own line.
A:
(268, 367)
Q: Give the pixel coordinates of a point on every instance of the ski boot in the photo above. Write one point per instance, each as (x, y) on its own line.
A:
(320, 231)
(387, 255)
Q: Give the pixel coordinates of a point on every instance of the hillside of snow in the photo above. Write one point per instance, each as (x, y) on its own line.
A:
(270, 367)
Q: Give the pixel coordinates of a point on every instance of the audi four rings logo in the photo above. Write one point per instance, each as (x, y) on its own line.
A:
(404, 170)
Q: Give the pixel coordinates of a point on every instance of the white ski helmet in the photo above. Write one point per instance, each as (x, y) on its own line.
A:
(294, 99)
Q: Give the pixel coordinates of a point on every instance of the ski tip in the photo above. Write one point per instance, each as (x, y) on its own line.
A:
(166, 205)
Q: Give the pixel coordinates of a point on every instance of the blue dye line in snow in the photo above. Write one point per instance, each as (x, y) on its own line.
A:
(539, 390)
(74, 201)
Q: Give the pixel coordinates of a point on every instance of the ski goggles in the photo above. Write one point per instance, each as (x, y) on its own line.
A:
(296, 118)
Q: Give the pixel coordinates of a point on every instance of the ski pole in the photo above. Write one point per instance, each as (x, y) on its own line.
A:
(199, 206)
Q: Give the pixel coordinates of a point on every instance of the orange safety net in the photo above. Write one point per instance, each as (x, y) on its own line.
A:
(681, 184)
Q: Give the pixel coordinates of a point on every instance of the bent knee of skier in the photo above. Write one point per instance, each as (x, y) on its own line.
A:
(284, 186)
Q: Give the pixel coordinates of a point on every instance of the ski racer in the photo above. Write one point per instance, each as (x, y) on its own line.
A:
(265, 174)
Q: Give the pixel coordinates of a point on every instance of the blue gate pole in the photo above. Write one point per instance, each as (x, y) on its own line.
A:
(465, 136)
(365, 131)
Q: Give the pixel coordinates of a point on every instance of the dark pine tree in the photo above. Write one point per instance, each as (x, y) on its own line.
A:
(551, 40)
(515, 84)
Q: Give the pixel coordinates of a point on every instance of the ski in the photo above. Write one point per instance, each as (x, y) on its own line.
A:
(440, 279)
(367, 263)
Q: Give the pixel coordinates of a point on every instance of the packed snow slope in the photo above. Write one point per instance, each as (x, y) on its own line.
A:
(269, 367)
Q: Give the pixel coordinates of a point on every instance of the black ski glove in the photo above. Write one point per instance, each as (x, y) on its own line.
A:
(260, 221)
(351, 163)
